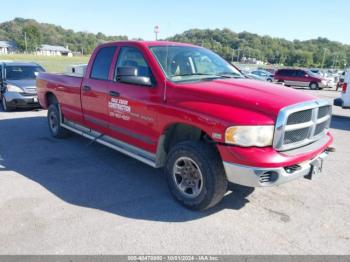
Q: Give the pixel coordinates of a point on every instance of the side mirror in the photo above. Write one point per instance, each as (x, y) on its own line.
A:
(130, 75)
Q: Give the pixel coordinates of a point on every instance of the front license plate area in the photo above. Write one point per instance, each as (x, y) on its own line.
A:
(35, 100)
(316, 168)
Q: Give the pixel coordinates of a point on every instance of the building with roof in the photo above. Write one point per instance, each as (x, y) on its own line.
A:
(54, 50)
(8, 47)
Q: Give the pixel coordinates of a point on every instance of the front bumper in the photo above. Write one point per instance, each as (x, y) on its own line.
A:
(15, 99)
(263, 177)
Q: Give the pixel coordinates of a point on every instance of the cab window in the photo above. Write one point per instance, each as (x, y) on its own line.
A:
(132, 57)
(102, 63)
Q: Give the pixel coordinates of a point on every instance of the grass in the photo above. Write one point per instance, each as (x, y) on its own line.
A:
(55, 64)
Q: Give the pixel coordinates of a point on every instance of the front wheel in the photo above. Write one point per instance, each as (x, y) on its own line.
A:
(54, 121)
(195, 174)
(313, 86)
(5, 106)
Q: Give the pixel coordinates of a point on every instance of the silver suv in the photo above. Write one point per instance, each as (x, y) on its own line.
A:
(17, 85)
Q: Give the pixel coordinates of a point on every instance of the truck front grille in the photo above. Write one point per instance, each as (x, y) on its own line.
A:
(302, 124)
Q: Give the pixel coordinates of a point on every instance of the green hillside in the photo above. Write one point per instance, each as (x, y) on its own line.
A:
(234, 46)
(42, 33)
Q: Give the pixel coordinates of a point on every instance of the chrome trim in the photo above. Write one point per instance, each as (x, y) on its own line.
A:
(298, 126)
(323, 119)
(250, 176)
(281, 124)
(113, 143)
(122, 147)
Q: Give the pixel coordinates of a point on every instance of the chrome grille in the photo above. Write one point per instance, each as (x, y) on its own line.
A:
(299, 117)
(321, 126)
(296, 135)
(302, 124)
(323, 111)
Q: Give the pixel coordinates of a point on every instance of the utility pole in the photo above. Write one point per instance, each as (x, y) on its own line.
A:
(335, 59)
(238, 54)
(324, 57)
(233, 51)
(25, 41)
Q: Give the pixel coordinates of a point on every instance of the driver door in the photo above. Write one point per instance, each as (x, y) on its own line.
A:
(132, 107)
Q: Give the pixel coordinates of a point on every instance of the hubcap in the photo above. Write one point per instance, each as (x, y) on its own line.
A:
(187, 177)
(53, 121)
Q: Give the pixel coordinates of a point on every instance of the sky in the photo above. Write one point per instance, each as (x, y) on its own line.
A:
(290, 19)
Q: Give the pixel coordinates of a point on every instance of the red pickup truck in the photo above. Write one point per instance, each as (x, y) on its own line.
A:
(184, 108)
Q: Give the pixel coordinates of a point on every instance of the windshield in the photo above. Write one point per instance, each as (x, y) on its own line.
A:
(187, 63)
(22, 72)
(311, 73)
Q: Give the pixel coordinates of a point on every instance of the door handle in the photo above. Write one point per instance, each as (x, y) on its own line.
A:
(86, 88)
(114, 93)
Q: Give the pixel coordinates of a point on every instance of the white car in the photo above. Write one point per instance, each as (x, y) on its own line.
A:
(344, 100)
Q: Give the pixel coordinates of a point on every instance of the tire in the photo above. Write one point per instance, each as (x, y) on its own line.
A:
(195, 175)
(313, 86)
(5, 105)
(54, 122)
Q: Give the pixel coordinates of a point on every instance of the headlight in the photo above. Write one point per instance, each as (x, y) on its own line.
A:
(12, 88)
(246, 136)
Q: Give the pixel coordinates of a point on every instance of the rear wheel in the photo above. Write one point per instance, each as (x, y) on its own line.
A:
(313, 86)
(195, 175)
(54, 121)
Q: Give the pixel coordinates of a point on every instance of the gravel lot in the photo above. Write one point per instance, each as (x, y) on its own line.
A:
(72, 197)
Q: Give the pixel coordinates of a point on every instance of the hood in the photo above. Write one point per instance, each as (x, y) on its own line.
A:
(28, 85)
(230, 98)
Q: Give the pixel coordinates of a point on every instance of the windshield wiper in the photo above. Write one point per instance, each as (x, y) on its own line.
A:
(229, 75)
(194, 74)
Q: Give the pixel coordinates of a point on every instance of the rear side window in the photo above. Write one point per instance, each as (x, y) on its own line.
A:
(282, 72)
(301, 73)
(102, 63)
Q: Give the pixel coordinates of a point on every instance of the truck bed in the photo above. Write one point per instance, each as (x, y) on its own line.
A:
(67, 90)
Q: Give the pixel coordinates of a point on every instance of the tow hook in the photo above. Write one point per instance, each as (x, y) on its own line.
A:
(330, 149)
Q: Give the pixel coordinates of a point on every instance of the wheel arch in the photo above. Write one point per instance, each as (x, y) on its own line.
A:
(175, 133)
(50, 98)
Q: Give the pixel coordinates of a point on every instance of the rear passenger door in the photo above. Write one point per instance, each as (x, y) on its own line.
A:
(94, 91)
(301, 78)
(290, 78)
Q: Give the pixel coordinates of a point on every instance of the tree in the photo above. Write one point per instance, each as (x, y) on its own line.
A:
(31, 39)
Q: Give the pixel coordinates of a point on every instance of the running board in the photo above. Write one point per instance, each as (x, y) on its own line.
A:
(129, 150)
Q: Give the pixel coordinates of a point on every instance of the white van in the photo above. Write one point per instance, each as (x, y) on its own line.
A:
(344, 100)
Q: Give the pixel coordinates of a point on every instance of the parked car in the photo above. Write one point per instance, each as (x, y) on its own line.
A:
(254, 77)
(17, 85)
(300, 77)
(185, 109)
(328, 75)
(268, 69)
(266, 75)
(344, 100)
